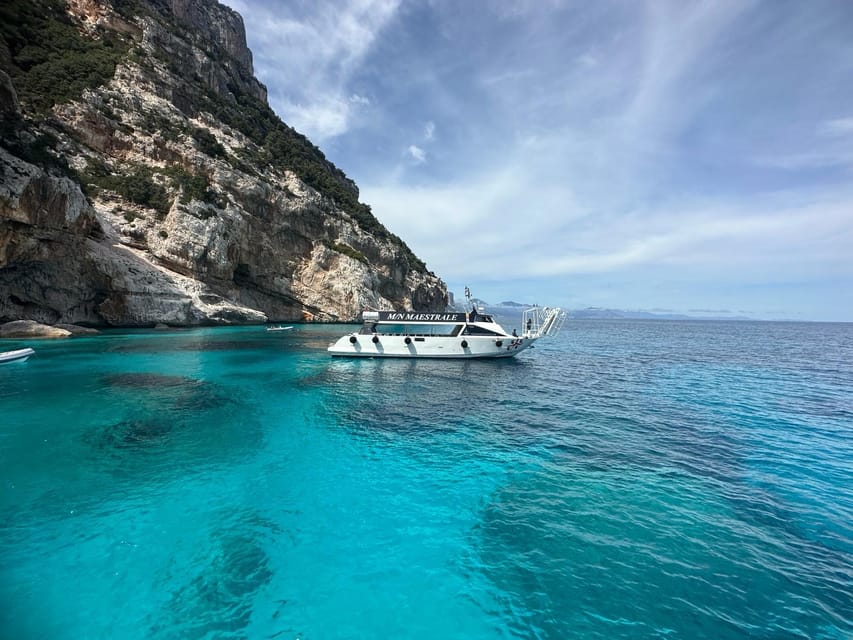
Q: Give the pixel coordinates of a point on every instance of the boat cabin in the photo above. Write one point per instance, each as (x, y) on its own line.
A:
(420, 325)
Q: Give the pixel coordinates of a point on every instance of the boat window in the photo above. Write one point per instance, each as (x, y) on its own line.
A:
(473, 330)
(412, 329)
(369, 327)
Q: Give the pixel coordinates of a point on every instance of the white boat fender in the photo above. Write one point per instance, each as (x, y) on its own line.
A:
(464, 344)
(375, 339)
(353, 339)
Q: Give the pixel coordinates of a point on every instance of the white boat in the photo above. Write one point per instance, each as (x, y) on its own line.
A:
(279, 328)
(409, 334)
(19, 355)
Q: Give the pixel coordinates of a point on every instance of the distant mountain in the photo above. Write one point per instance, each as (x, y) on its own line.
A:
(596, 313)
(461, 305)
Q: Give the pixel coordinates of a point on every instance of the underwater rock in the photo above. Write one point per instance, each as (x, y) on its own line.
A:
(216, 602)
(134, 434)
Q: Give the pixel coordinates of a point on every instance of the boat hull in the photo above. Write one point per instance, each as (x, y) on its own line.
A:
(19, 355)
(357, 345)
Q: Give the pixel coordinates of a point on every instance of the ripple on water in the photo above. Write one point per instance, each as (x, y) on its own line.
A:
(636, 554)
(148, 380)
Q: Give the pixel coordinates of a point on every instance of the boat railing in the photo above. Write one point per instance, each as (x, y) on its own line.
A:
(542, 321)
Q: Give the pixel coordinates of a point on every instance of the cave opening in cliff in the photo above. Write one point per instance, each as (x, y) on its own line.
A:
(242, 274)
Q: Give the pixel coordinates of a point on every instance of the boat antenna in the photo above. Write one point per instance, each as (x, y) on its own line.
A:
(470, 303)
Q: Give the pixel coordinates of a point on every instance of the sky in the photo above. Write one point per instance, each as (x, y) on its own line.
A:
(681, 156)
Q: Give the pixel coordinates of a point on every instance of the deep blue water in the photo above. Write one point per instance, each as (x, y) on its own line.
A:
(628, 479)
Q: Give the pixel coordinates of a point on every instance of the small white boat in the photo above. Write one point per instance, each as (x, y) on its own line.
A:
(408, 334)
(279, 328)
(19, 355)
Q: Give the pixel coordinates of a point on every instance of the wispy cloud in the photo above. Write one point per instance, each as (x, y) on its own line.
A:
(306, 55)
(418, 154)
(664, 151)
(588, 60)
(826, 158)
(555, 236)
(830, 147)
(839, 127)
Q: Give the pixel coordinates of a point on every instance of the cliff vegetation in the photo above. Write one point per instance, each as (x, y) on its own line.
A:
(145, 179)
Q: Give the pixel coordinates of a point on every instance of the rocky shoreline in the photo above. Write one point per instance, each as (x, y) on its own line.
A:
(32, 329)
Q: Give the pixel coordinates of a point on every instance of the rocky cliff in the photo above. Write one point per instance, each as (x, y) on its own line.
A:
(144, 179)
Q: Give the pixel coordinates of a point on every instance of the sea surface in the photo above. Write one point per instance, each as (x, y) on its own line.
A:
(627, 479)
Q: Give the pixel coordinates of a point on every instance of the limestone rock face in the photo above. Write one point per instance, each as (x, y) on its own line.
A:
(32, 197)
(199, 207)
(217, 23)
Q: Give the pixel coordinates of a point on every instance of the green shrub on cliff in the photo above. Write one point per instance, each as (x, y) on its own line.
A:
(194, 186)
(347, 250)
(207, 143)
(154, 188)
(49, 60)
(137, 186)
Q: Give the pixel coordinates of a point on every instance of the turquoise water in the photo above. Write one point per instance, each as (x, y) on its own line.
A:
(628, 479)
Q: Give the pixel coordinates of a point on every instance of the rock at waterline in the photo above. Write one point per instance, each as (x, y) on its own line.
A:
(77, 330)
(31, 329)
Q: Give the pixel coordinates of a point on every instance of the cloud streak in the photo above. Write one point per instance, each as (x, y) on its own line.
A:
(307, 54)
(417, 154)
